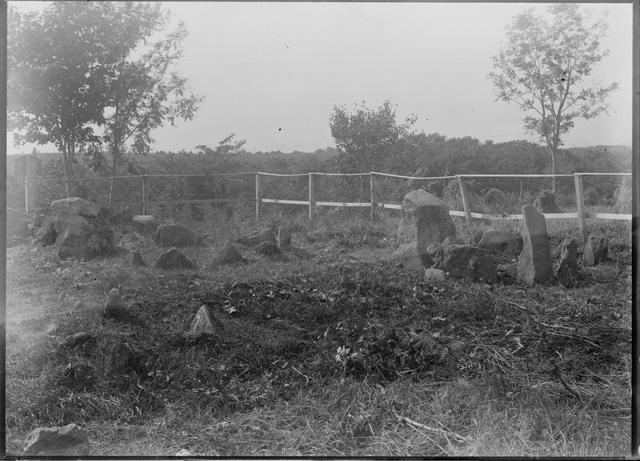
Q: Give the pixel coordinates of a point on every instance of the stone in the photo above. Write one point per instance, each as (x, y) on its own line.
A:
(432, 274)
(501, 242)
(229, 255)
(407, 255)
(69, 440)
(425, 220)
(77, 339)
(121, 358)
(205, 323)
(114, 305)
(183, 452)
(434, 250)
(135, 259)
(567, 271)
(144, 223)
(176, 235)
(258, 237)
(282, 236)
(467, 261)
(268, 249)
(596, 250)
(173, 259)
(77, 228)
(534, 262)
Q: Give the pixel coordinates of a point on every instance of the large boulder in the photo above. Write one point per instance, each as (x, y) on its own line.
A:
(78, 229)
(176, 235)
(408, 256)
(501, 242)
(69, 440)
(173, 259)
(534, 263)
(567, 271)
(467, 261)
(425, 220)
(596, 250)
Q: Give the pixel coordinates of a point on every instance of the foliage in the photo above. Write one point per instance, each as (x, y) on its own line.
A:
(545, 68)
(546, 202)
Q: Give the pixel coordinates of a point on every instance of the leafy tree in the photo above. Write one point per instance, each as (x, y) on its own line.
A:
(56, 80)
(545, 68)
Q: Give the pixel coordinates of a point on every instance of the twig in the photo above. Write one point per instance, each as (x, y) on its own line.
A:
(413, 423)
(301, 374)
(558, 374)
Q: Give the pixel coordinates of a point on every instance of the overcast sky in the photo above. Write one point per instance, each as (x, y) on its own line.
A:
(271, 72)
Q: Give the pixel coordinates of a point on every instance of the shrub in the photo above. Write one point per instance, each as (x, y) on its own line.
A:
(495, 197)
(546, 202)
(623, 196)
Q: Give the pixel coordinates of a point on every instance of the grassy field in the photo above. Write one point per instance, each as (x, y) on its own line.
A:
(328, 350)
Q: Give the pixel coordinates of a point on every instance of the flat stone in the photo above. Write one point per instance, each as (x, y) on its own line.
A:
(467, 261)
(433, 275)
(534, 263)
(596, 250)
(258, 237)
(501, 242)
(173, 259)
(144, 222)
(69, 440)
(567, 271)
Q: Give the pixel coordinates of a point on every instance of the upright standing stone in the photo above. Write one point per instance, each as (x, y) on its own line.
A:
(205, 323)
(567, 271)
(425, 220)
(596, 250)
(534, 264)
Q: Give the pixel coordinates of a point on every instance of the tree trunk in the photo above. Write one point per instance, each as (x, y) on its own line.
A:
(554, 150)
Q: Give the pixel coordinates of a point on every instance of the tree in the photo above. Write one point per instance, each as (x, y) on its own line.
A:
(144, 93)
(545, 68)
(56, 83)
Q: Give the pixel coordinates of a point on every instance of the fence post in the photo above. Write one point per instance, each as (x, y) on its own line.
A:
(577, 178)
(465, 202)
(258, 195)
(372, 195)
(312, 197)
(144, 195)
(26, 194)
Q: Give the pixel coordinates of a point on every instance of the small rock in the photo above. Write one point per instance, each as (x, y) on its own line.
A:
(258, 237)
(173, 259)
(114, 305)
(501, 242)
(183, 452)
(135, 259)
(121, 358)
(596, 250)
(176, 235)
(69, 440)
(76, 339)
(205, 323)
(567, 271)
(407, 255)
(433, 275)
(144, 223)
(434, 250)
(268, 249)
(52, 330)
(229, 255)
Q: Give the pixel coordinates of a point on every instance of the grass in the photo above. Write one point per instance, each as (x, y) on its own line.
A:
(328, 351)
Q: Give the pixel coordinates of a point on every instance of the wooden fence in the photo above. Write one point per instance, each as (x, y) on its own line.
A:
(373, 204)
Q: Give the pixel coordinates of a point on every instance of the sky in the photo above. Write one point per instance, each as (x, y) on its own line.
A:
(272, 72)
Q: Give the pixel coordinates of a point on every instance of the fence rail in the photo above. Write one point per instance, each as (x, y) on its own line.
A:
(312, 203)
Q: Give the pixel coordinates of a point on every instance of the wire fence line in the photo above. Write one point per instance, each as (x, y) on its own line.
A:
(146, 191)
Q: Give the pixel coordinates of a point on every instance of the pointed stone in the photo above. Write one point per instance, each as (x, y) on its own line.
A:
(596, 250)
(135, 259)
(69, 440)
(229, 255)
(205, 323)
(567, 271)
(534, 263)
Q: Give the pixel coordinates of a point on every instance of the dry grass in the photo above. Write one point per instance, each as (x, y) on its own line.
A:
(489, 400)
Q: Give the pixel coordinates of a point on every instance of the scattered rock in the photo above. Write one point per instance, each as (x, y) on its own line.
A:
(122, 357)
(114, 306)
(144, 223)
(467, 261)
(268, 249)
(173, 259)
(135, 259)
(425, 220)
(433, 275)
(69, 440)
(229, 255)
(596, 250)
(567, 272)
(534, 263)
(76, 339)
(176, 235)
(407, 255)
(77, 228)
(205, 323)
(501, 242)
